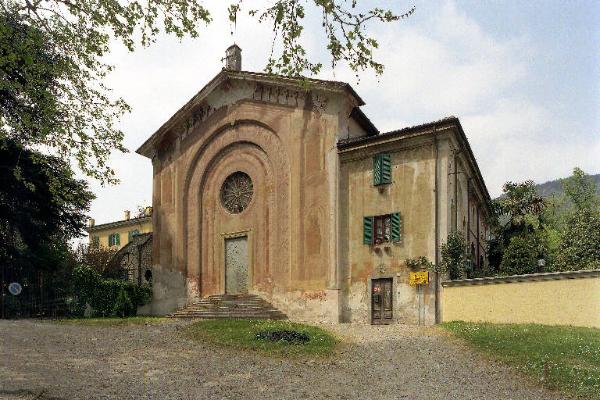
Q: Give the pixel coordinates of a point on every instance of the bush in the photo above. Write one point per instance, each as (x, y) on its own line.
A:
(108, 297)
(123, 306)
(520, 257)
(454, 257)
(580, 245)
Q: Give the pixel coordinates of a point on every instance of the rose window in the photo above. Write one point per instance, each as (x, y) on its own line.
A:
(236, 192)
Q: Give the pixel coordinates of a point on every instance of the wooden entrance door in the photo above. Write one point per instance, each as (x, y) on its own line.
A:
(381, 301)
(236, 265)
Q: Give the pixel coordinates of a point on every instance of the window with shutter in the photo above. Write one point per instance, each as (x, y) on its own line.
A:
(382, 169)
(383, 229)
(377, 170)
(396, 227)
(368, 230)
(386, 168)
(117, 239)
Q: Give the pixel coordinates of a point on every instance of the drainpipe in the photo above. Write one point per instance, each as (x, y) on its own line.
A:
(468, 214)
(455, 227)
(437, 230)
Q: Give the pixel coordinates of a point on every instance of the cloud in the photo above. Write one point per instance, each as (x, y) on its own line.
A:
(445, 63)
(439, 62)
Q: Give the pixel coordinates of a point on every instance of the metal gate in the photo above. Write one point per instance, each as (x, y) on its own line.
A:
(381, 301)
(236, 265)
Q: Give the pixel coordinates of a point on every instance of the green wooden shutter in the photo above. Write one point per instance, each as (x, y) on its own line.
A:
(117, 239)
(396, 227)
(377, 170)
(133, 233)
(386, 168)
(368, 230)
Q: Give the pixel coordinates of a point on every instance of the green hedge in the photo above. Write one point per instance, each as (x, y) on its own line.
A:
(108, 297)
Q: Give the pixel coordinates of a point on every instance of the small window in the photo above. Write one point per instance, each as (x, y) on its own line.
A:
(382, 229)
(133, 233)
(114, 239)
(382, 169)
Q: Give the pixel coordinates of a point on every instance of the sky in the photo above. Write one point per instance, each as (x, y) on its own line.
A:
(523, 77)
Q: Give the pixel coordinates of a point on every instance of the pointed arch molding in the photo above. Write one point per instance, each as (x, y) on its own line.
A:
(253, 148)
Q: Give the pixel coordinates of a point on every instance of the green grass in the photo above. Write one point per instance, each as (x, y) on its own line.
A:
(113, 321)
(241, 334)
(561, 357)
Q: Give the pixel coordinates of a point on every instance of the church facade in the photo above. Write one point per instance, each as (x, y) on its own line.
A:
(283, 188)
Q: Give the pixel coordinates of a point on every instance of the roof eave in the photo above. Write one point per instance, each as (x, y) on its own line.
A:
(146, 149)
(116, 224)
(418, 130)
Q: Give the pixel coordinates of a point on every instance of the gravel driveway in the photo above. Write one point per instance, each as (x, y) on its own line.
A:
(62, 361)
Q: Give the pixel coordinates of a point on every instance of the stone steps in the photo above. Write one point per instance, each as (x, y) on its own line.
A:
(242, 306)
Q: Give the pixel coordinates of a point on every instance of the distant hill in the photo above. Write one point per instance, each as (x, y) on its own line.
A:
(550, 188)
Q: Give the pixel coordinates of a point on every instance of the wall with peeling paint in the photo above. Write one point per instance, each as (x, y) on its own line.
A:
(286, 144)
(304, 221)
(412, 194)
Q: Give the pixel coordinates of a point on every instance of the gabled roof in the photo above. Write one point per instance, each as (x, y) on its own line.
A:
(361, 119)
(303, 83)
(118, 224)
(422, 129)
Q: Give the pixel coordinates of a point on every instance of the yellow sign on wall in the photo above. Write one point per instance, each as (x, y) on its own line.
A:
(419, 278)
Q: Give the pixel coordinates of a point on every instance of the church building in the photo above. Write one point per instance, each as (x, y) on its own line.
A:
(283, 188)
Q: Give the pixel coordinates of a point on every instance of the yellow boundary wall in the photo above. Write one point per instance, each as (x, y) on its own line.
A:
(557, 298)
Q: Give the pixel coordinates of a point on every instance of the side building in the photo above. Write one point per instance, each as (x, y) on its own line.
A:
(115, 235)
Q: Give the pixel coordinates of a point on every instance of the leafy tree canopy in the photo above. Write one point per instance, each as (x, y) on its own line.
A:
(582, 190)
(520, 206)
(52, 93)
(42, 205)
(579, 246)
(454, 256)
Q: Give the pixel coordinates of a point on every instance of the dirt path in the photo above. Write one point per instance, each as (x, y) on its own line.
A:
(157, 362)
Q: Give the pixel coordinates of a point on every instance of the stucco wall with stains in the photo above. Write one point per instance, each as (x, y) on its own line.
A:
(287, 146)
(412, 193)
(304, 223)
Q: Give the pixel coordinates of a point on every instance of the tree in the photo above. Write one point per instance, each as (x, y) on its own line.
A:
(519, 234)
(100, 259)
(520, 206)
(42, 206)
(454, 256)
(522, 254)
(581, 190)
(40, 200)
(579, 246)
(344, 27)
(52, 70)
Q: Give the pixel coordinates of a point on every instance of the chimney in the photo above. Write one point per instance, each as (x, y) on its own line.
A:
(91, 222)
(233, 58)
(148, 211)
(127, 215)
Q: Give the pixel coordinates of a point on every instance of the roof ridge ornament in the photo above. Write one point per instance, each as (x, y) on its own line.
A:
(233, 58)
